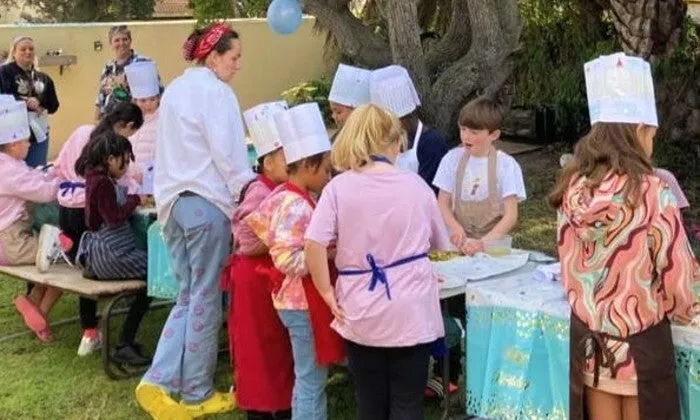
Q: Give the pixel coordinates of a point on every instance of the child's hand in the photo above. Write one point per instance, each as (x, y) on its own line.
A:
(332, 302)
(457, 236)
(472, 246)
(147, 201)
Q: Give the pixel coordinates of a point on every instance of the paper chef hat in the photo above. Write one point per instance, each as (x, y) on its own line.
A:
(392, 89)
(620, 89)
(142, 78)
(262, 128)
(14, 121)
(350, 86)
(302, 132)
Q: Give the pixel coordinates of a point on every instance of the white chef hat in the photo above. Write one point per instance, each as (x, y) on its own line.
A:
(14, 121)
(262, 128)
(392, 89)
(142, 78)
(620, 89)
(302, 131)
(350, 86)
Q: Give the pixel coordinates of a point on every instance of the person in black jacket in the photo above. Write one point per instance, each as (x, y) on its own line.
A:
(20, 77)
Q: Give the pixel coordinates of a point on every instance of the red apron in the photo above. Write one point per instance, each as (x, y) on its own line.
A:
(330, 348)
(262, 352)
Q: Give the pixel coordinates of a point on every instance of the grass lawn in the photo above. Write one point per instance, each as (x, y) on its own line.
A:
(39, 381)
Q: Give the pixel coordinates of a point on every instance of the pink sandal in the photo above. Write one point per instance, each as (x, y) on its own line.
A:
(45, 335)
(33, 318)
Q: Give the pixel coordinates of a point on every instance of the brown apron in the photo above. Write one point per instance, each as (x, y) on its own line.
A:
(652, 351)
(478, 217)
(18, 243)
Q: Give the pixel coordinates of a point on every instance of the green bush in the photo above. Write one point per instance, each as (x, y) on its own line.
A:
(558, 37)
(316, 90)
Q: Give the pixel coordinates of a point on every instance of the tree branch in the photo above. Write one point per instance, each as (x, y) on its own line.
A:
(354, 39)
(404, 39)
(455, 43)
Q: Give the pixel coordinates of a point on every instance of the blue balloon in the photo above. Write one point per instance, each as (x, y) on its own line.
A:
(284, 16)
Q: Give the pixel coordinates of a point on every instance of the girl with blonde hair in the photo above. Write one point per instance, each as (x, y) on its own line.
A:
(385, 301)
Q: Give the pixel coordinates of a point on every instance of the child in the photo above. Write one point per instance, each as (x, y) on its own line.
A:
(391, 88)
(18, 244)
(107, 249)
(280, 222)
(260, 347)
(350, 89)
(626, 263)
(388, 217)
(145, 92)
(480, 189)
(124, 118)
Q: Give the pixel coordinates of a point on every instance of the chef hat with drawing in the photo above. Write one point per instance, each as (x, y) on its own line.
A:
(392, 89)
(14, 120)
(302, 131)
(350, 86)
(262, 128)
(142, 78)
(620, 89)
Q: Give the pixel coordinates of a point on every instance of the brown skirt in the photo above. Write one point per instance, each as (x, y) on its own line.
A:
(652, 351)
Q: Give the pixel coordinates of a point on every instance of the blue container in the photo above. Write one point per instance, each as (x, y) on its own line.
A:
(162, 283)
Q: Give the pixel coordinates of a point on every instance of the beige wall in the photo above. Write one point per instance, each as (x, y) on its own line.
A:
(271, 63)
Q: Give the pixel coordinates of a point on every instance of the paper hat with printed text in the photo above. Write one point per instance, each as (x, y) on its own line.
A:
(14, 120)
(302, 131)
(142, 78)
(350, 86)
(392, 89)
(262, 128)
(620, 89)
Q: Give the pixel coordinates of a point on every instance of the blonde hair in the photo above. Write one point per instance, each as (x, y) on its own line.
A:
(13, 45)
(369, 130)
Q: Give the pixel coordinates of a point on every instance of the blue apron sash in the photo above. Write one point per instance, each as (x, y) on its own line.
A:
(70, 187)
(378, 272)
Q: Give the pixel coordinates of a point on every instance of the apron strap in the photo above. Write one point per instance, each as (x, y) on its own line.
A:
(493, 175)
(459, 179)
(416, 138)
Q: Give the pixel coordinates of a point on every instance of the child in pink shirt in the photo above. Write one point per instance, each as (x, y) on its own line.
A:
(145, 88)
(386, 300)
(19, 245)
(124, 119)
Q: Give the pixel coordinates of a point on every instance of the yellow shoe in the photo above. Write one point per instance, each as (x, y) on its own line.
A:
(156, 402)
(218, 403)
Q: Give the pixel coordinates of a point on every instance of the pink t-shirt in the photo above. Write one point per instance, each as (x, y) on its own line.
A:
(246, 240)
(64, 166)
(144, 144)
(21, 184)
(391, 215)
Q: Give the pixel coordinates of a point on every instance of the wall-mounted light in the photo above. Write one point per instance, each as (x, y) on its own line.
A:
(97, 46)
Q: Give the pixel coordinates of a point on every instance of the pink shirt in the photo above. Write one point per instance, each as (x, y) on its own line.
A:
(64, 167)
(246, 240)
(19, 184)
(144, 145)
(392, 215)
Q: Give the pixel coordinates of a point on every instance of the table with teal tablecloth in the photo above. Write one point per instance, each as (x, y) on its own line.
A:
(517, 351)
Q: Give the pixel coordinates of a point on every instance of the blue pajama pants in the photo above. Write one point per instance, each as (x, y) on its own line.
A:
(198, 236)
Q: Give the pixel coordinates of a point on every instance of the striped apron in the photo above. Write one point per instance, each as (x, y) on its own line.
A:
(110, 253)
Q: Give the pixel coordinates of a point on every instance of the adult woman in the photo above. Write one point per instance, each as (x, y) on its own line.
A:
(201, 166)
(113, 86)
(21, 78)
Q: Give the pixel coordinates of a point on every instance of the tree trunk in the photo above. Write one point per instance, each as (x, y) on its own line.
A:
(648, 28)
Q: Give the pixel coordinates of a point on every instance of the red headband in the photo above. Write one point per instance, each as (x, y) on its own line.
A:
(194, 50)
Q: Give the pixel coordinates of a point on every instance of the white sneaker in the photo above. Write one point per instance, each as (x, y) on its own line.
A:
(49, 248)
(89, 345)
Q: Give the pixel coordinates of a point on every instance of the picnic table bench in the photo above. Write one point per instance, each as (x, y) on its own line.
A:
(70, 280)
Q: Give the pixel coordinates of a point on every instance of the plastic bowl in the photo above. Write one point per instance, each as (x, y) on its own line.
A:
(498, 247)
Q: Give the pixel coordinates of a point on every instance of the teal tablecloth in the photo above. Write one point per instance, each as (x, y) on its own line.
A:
(161, 279)
(518, 352)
